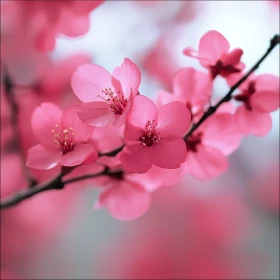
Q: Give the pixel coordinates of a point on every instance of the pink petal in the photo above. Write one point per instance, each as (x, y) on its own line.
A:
(253, 122)
(168, 154)
(142, 111)
(164, 97)
(233, 57)
(267, 82)
(192, 86)
(125, 200)
(96, 114)
(221, 132)
(69, 119)
(132, 132)
(205, 60)
(206, 163)
(80, 154)
(127, 77)
(39, 157)
(173, 119)
(88, 82)
(265, 101)
(137, 161)
(43, 121)
(213, 45)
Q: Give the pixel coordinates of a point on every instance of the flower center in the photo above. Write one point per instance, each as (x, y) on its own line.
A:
(64, 139)
(193, 141)
(245, 96)
(116, 101)
(149, 136)
(220, 69)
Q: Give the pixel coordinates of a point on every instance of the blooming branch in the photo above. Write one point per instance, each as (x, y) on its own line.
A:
(149, 137)
(212, 109)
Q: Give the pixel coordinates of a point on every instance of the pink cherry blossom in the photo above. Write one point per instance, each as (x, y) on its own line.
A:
(192, 87)
(154, 137)
(215, 55)
(62, 138)
(125, 200)
(260, 96)
(42, 20)
(209, 146)
(107, 97)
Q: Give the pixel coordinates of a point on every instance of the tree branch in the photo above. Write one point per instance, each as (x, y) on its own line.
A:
(212, 109)
(55, 184)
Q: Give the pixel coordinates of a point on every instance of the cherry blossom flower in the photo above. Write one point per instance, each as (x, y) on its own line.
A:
(191, 87)
(154, 137)
(209, 145)
(125, 200)
(260, 96)
(62, 138)
(107, 97)
(215, 55)
(43, 20)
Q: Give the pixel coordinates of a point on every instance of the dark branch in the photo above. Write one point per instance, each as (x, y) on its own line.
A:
(212, 109)
(55, 184)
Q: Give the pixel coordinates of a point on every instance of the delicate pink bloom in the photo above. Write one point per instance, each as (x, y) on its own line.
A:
(107, 97)
(44, 20)
(155, 136)
(192, 87)
(124, 200)
(260, 96)
(62, 138)
(210, 144)
(215, 55)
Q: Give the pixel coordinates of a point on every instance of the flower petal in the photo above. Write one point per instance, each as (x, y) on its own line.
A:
(137, 160)
(142, 111)
(168, 154)
(173, 119)
(220, 132)
(43, 121)
(96, 114)
(69, 119)
(265, 101)
(127, 77)
(80, 153)
(89, 80)
(39, 157)
(206, 163)
(125, 200)
(213, 45)
(253, 122)
(233, 57)
(192, 86)
(267, 82)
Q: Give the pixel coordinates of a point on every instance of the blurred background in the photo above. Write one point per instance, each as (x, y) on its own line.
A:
(226, 228)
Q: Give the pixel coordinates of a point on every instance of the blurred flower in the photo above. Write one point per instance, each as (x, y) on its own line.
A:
(209, 145)
(192, 87)
(213, 53)
(260, 96)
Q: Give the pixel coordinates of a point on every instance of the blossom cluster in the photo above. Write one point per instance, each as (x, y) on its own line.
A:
(154, 139)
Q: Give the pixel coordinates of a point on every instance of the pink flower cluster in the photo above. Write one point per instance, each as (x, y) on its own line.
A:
(157, 149)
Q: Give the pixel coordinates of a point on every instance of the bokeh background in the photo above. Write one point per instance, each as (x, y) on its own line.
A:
(227, 228)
